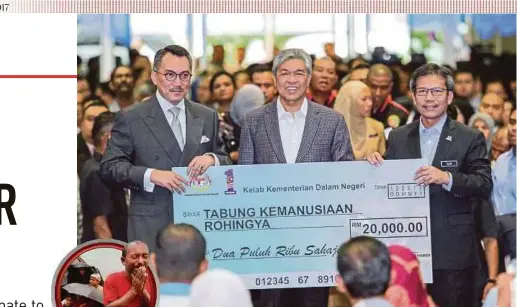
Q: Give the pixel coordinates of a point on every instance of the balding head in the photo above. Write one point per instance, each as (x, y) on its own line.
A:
(180, 253)
(380, 80)
(380, 70)
(492, 104)
(364, 267)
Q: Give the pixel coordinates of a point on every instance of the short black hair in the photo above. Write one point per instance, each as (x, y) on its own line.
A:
(361, 66)
(176, 50)
(364, 264)
(180, 250)
(431, 69)
(101, 125)
(495, 80)
(93, 101)
(465, 71)
(259, 68)
(352, 60)
(79, 61)
(217, 75)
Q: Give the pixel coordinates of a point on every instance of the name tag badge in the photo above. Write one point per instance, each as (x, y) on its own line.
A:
(452, 163)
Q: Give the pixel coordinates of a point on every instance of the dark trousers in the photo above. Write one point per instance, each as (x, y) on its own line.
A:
(454, 288)
(298, 297)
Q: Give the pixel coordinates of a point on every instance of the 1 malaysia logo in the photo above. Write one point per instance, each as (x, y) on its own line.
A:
(230, 189)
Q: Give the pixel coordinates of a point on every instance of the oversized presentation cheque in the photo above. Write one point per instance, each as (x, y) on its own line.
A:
(280, 225)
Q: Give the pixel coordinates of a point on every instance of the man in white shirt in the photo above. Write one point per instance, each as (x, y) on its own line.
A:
(178, 259)
(150, 139)
(293, 129)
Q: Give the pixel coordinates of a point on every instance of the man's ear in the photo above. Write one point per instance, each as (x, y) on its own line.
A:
(153, 261)
(203, 267)
(450, 97)
(340, 285)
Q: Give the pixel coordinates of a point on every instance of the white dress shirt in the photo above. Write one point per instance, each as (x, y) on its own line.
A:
(91, 148)
(291, 129)
(429, 139)
(182, 117)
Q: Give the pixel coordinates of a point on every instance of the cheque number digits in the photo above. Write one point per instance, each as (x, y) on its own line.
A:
(271, 281)
(327, 279)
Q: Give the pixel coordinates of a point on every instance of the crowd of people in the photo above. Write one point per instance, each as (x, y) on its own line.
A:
(82, 285)
(150, 118)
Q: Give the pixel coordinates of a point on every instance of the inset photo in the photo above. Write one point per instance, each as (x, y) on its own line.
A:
(106, 273)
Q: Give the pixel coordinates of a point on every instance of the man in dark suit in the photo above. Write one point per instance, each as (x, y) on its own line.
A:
(92, 107)
(149, 140)
(104, 209)
(457, 170)
(293, 129)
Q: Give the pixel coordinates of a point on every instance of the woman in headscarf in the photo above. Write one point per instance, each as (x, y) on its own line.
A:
(219, 288)
(485, 124)
(354, 102)
(407, 288)
(247, 98)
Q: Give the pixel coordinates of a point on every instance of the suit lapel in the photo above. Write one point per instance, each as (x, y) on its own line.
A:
(273, 131)
(446, 138)
(312, 122)
(193, 135)
(414, 141)
(160, 128)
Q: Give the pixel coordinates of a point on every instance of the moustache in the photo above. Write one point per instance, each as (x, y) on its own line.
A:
(176, 89)
(124, 84)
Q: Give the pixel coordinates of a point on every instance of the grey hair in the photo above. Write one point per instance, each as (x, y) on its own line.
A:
(432, 69)
(292, 54)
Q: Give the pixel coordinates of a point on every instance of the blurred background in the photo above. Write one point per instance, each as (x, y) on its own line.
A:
(253, 38)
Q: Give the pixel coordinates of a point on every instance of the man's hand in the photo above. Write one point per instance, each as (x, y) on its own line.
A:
(199, 165)
(138, 279)
(169, 180)
(427, 175)
(234, 155)
(375, 159)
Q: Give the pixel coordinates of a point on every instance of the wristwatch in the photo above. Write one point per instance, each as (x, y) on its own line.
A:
(491, 281)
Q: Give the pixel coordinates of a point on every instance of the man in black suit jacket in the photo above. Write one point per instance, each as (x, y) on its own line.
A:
(148, 140)
(92, 107)
(457, 170)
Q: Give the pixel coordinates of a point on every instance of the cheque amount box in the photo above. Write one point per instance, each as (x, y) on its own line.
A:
(398, 227)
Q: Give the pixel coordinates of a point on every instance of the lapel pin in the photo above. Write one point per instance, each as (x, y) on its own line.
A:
(449, 138)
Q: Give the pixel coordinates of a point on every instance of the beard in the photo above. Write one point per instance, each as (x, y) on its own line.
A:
(124, 89)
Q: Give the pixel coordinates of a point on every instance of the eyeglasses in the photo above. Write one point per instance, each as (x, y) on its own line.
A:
(171, 76)
(436, 92)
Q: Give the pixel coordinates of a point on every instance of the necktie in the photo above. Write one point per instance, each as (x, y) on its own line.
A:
(176, 126)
